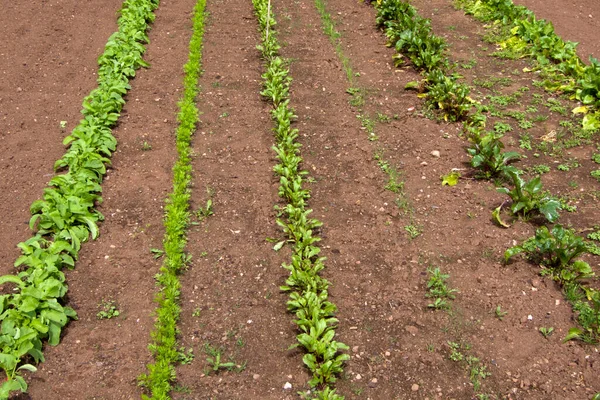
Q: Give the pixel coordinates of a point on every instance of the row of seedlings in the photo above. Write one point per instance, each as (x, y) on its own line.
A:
(161, 373)
(557, 249)
(308, 290)
(66, 216)
(521, 34)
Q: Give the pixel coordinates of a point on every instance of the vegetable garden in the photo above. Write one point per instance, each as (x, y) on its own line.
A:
(320, 199)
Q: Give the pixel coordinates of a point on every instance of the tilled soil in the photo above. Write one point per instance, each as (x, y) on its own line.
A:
(230, 295)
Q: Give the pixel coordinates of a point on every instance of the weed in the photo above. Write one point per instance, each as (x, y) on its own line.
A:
(499, 313)
(108, 310)
(501, 127)
(546, 332)
(185, 357)
(540, 169)
(205, 212)
(215, 363)
(197, 311)
(146, 146)
(413, 231)
(525, 141)
(438, 289)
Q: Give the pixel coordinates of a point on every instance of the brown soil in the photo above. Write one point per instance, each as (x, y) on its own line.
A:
(230, 293)
(578, 21)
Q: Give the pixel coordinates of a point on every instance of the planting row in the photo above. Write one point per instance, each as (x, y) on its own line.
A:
(308, 290)
(555, 249)
(66, 216)
(161, 373)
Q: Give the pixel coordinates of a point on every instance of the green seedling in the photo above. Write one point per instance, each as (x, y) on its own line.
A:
(546, 332)
(157, 253)
(185, 357)
(215, 363)
(63, 124)
(438, 289)
(205, 212)
(487, 155)
(108, 310)
(499, 313)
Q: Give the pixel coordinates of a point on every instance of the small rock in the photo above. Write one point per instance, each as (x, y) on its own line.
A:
(414, 387)
(413, 330)
(355, 349)
(435, 153)
(287, 386)
(19, 89)
(373, 383)
(255, 377)
(535, 283)
(358, 377)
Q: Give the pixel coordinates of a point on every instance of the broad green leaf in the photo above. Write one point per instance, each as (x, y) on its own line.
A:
(497, 218)
(591, 121)
(512, 251)
(450, 179)
(574, 333)
(12, 279)
(580, 110)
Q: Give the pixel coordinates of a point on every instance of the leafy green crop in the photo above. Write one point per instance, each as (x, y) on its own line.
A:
(556, 249)
(308, 290)
(161, 373)
(66, 217)
(411, 35)
(487, 155)
(528, 197)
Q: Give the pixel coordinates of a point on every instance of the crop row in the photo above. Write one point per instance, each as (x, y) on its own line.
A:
(66, 216)
(521, 34)
(555, 249)
(161, 373)
(308, 290)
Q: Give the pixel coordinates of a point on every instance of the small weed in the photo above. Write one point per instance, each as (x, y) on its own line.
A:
(108, 310)
(205, 212)
(185, 357)
(546, 332)
(224, 115)
(501, 127)
(525, 141)
(215, 363)
(499, 313)
(146, 146)
(438, 289)
(540, 169)
(197, 311)
(413, 231)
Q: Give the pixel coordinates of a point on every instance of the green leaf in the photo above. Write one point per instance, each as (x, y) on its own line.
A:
(591, 121)
(12, 279)
(512, 251)
(497, 218)
(27, 367)
(574, 333)
(279, 245)
(549, 209)
(450, 179)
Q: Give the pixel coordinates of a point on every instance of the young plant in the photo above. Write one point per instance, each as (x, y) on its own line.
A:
(487, 155)
(556, 250)
(528, 198)
(438, 289)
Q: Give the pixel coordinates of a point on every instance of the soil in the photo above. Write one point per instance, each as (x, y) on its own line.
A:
(230, 296)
